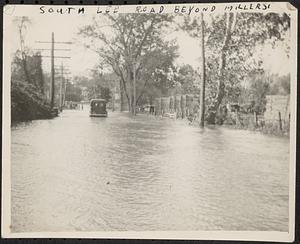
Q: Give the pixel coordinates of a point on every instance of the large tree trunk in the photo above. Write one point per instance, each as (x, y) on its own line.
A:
(132, 99)
(124, 89)
(121, 97)
(132, 105)
(230, 22)
(129, 104)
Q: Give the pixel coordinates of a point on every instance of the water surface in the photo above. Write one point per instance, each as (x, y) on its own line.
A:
(145, 174)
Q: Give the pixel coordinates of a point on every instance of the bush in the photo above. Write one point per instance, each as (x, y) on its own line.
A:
(27, 103)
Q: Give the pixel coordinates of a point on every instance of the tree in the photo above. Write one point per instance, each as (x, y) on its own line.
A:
(279, 85)
(186, 80)
(28, 99)
(98, 86)
(158, 72)
(260, 84)
(231, 41)
(26, 64)
(22, 25)
(134, 48)
(73, 92)
(285, 84)
(34, 71)
(253, 94)
(82, 81)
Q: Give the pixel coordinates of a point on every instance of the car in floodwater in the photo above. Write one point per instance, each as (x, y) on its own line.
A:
(98, 108)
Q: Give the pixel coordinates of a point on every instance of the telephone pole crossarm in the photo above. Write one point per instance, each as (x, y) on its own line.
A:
(55, 42)
(55, 57)
(48, 49)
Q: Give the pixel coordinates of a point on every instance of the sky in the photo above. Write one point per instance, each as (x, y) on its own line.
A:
(83, 60)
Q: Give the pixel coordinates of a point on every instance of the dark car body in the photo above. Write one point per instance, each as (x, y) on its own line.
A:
(98, 108)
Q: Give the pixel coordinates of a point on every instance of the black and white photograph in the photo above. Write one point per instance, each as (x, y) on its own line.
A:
(172, 121)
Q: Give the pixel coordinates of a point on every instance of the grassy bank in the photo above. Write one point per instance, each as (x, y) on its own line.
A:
(269, 129)
(247, 122)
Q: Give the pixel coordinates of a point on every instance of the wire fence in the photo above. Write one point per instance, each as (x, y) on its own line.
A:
(187, 107)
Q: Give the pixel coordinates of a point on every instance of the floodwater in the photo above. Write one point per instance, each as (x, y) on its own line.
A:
(145, 174)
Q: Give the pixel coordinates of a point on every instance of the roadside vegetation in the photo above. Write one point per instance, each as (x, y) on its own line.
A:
(28, 99)
(143, 62)
(138, 61)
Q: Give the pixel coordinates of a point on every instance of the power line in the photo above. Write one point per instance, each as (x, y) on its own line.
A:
(52, 49)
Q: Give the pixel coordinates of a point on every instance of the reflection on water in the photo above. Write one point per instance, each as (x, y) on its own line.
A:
(120, 173)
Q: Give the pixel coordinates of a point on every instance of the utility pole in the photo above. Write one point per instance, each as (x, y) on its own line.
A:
(202, 73)
(52, 57)
(61, 87)
(134, 89)
(65, 91)
(52, 72)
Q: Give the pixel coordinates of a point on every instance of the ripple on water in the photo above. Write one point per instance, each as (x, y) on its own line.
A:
(121, 173)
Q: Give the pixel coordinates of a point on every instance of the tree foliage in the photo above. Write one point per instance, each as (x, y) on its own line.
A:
(28, 100)
(258, 85)
(132, 45)
(34, 73)
(230, 45)
(99, 85)
(186, 80)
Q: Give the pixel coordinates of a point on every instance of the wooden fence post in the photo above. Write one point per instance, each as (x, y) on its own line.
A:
(279, 120)
(182, 107)
(255, 118)
(237, 122)
(161, 105)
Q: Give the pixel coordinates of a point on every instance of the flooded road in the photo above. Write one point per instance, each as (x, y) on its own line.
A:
(145, 173)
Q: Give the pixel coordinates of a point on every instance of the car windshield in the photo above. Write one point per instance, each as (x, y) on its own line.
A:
(98, 103)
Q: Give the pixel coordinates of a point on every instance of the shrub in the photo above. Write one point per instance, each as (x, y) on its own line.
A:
(27, 103)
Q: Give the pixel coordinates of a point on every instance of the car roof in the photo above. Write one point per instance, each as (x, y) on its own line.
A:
(98, 100)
